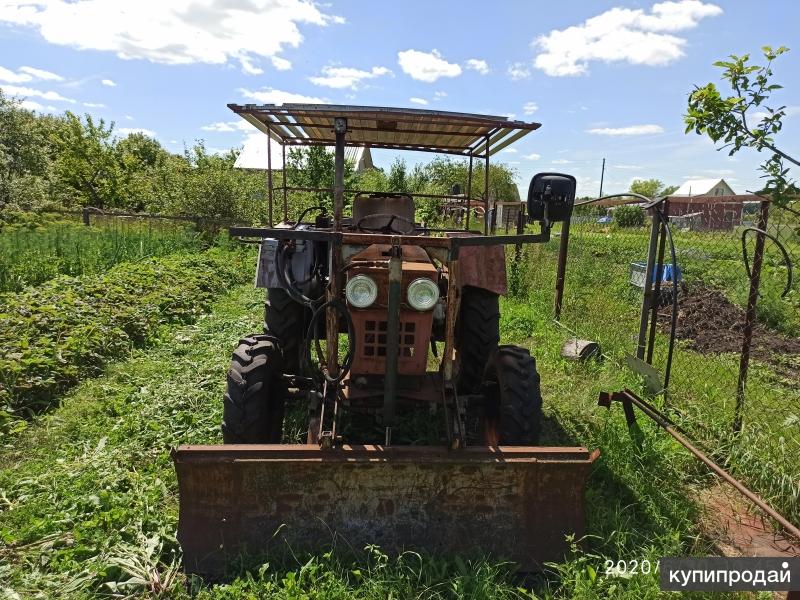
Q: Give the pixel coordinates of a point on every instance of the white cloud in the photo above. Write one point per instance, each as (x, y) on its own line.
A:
(228, 126)
(129, 118)
(621, 35)
(26, 92)
(532, 156)
(630, 130)
(177, 32)
(11, 77)
(560, 161)
(280, 63)
(416, 100)
(518, 70)
(476, 64)
(26, 74)
(530, 108)
(273, 96)
(41, 74)
(346, 77)
(31, 105)
(109, 82)
(440, 94)
(94, 105)
(510, 150)
(130, 130)
(426, 66)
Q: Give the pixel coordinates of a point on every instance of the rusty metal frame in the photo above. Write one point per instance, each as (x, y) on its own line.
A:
(628, 399)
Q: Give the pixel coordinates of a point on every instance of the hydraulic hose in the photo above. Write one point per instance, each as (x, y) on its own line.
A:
(344, 369)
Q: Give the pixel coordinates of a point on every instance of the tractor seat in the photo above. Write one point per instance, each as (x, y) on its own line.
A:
(381, 205)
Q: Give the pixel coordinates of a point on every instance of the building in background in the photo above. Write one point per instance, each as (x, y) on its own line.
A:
(708, 204)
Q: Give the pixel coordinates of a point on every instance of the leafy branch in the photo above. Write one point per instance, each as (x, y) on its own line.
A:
(743, 120)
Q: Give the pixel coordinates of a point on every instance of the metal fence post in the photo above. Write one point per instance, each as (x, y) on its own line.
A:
(647, 297)
(750, 318)
(562, 268)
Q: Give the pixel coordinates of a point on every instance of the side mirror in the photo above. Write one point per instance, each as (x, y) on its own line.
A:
(551, 197)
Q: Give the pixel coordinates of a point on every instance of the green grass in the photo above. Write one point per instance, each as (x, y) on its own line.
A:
(66, 329)
(88, 506)
(600, 304)
(34, 252)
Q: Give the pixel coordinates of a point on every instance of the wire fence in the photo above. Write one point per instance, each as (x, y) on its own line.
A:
(734, 373)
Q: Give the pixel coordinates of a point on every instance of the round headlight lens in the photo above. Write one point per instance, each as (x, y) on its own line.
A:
(423, 294)
(361, 291)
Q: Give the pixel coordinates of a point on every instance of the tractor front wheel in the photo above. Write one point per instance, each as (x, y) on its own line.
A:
(253, 405)
(513, 413)
(477, 335)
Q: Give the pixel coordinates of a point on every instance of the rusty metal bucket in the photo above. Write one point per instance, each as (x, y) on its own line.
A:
(515, 503)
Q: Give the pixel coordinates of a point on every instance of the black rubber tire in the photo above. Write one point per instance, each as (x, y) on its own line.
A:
(254, 402)
(477, 336)
(513, 396)
(288, 321)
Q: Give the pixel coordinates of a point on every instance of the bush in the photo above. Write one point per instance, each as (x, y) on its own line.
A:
(65, 330)
(629, 216)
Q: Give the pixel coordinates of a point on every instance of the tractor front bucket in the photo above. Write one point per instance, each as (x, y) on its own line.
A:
(514, 503)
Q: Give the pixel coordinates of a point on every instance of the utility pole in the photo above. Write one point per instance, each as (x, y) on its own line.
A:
(602, 173)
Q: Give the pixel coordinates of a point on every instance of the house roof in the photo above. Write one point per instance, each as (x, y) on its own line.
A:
(699, 187)
(254, 154)
(464, 134)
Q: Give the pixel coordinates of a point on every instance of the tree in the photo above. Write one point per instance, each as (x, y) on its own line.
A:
(652, 188)
(629, 216)
(734, 121)
(313, 166)
(86, 162)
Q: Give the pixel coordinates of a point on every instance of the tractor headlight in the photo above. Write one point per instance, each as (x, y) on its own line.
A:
(423, 294)
(361, 291)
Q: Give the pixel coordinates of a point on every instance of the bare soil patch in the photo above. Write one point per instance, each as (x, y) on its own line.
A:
(711, 323)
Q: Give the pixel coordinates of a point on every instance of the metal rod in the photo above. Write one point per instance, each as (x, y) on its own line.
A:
(486, 192)
(469, 190)
(561, 269)
(271, 221)
(392, 336)
(663, 422)
(659, 276)
(602, 174)
(348, 191)
(648, 287)
(283, 177)
(331, 316)
(750, 317)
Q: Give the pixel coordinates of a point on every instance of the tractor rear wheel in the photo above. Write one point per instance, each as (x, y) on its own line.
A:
(254, 401)
(513, 413)
(287, 320)
(477, 335)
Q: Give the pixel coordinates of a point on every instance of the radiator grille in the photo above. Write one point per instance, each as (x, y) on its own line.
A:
(374, 342)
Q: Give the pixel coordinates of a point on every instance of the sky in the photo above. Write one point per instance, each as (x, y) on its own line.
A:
(607, 79)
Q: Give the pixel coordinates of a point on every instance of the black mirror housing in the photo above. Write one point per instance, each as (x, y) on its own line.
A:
(551, 197)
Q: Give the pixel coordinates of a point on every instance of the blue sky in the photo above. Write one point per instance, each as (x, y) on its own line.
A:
(607, 79)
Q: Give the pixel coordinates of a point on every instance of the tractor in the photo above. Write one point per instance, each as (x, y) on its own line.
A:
(374, 315)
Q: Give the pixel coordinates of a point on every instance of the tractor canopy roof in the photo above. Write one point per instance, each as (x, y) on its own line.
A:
(437, 131)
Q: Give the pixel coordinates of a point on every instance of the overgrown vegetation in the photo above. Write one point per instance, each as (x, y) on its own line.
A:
(35, 250)
(68, 328)
(90, 504)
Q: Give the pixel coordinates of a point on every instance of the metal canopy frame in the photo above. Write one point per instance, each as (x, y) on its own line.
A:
(443, 132)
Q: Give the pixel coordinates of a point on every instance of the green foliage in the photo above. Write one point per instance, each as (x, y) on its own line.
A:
(313, 167)
(31, 253)
(629, 216)
(652, 188)
(733, 122)
(68, 328)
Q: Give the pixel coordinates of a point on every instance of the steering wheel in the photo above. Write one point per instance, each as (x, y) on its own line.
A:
(404, 226)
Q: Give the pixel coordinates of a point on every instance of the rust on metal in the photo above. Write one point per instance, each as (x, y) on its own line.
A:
(514, 503)
(481, 266)
(628, 400)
